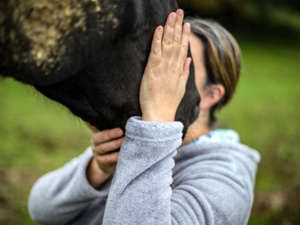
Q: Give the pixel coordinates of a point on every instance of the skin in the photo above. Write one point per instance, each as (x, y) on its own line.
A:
(210, 95)
(162, 88)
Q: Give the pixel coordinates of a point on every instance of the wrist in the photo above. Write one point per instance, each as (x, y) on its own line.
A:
(155, 117)
(95, 176)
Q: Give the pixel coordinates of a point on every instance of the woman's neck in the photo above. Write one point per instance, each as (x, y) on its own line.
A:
(198, 128)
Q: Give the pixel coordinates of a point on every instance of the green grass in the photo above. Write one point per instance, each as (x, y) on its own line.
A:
(37, 135)
(265, 111)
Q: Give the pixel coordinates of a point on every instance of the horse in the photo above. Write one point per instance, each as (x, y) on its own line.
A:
(88, 55)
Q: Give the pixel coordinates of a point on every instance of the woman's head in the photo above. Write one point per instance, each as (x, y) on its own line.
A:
(217, 61)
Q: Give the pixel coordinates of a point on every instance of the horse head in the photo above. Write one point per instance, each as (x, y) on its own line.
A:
(88, 55)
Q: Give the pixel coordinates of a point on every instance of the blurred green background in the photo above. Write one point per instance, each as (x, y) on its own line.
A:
(37, 135)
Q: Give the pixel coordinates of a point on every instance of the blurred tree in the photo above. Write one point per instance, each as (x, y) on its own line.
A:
(212, 6)
(218, 6)
(257, 14)
(227, 12)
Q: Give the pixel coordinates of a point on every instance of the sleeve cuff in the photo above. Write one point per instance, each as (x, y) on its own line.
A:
(83, 185)
(159, 131)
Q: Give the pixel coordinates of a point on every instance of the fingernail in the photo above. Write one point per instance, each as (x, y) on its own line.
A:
(174, 16)
(118, 132)
(180, 12)
(187, 26)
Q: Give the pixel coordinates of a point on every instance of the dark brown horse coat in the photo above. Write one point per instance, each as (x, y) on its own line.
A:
(89, 55)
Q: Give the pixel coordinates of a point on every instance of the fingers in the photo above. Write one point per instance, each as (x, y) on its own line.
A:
(184, 43)
(103, 144)
(168, 35)
(171, 42)
(155, 54)
(107, 141)
(177, 35)
(175, 41)
(108, 147)
(108, 160)
(106, 135)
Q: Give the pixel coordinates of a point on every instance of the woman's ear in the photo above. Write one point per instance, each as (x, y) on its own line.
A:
(212, 95)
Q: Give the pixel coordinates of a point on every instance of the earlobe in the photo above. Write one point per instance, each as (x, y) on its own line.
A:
(212, 95)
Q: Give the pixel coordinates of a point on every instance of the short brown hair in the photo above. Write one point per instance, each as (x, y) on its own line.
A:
(222, 57)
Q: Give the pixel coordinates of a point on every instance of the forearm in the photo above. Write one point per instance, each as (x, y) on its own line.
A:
(209, 185)
(60, 196)
(95, 176)
(141, 192)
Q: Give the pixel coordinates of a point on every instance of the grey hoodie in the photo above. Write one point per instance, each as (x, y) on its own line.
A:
(209, 182)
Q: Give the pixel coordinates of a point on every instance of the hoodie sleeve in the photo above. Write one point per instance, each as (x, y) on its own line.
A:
(141, 191)
(213, 182)
(60, 196)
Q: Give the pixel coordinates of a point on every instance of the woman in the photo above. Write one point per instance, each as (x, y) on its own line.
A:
(207, 178)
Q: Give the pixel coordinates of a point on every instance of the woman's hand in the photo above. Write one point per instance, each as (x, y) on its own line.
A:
(104, 163)
(167, 70)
